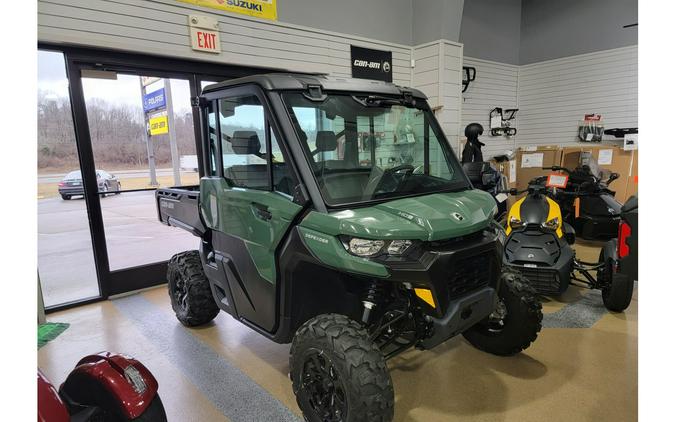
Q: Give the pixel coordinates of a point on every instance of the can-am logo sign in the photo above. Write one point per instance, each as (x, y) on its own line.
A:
(371, 64)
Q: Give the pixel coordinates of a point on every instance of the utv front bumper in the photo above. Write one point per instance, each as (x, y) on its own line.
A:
(463, 275)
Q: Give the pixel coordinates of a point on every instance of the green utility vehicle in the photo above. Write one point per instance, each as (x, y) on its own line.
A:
(333, 214)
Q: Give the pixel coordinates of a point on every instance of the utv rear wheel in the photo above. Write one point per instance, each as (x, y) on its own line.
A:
(619, 291)
(338, 373)
(515, 322)
(191, 297)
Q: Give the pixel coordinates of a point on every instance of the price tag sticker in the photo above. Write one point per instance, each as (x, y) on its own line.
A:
(557, 181)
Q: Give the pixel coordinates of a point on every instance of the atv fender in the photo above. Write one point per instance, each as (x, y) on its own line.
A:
(111, 380)
(610, 251)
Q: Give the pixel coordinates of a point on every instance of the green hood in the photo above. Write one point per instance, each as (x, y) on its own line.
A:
(427, 217)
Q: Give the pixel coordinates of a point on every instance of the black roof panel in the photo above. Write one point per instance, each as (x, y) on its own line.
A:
(299, 81)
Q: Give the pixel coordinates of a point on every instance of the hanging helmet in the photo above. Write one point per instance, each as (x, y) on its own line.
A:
(473, 130)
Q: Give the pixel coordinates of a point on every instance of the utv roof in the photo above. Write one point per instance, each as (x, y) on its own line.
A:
(300, 81)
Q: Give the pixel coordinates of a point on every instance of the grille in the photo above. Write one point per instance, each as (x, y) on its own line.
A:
(469, 274)
(543, 280)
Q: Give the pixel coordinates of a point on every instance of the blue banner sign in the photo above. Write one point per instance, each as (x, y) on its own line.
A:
(154, 100)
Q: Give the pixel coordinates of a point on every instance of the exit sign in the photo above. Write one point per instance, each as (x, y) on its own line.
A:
(204, 34)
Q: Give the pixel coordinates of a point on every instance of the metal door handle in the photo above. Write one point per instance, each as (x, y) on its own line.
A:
(261, 211)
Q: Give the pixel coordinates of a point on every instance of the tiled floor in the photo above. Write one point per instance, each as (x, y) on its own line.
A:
(225, 371)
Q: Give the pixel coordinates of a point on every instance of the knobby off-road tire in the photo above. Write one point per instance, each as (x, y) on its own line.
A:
(353, 381)
(617, 296)
(519, 326)
(191, 297)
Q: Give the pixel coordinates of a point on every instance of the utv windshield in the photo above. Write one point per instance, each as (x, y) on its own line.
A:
(368, 148)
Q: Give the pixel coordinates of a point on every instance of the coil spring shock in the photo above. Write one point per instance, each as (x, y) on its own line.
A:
(374, 292)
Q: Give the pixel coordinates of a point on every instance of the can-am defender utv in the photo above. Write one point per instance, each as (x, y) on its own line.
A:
(333, 214)
(539, 245)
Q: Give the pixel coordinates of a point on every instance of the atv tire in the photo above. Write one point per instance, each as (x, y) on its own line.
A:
(514, 325)
(189, 289)
(338, 373)
(154, 413)
(617, 296)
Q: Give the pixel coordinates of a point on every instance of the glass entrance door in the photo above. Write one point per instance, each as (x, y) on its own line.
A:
(142, 137)
(65, 250)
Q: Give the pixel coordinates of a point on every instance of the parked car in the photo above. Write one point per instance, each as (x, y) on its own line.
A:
(71, 185)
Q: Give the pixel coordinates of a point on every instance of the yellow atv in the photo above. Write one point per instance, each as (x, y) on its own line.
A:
(538, 245)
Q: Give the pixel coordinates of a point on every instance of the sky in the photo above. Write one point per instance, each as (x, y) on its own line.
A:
(124, 90)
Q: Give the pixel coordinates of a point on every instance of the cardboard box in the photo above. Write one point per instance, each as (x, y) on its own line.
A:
(530, 162)
(612, 159)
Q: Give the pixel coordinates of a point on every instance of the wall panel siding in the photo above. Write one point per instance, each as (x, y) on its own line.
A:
(555, 94)
(437, 73)
(160, 27)
(496, 85)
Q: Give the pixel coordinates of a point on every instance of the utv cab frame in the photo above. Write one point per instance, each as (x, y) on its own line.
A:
(333, 214)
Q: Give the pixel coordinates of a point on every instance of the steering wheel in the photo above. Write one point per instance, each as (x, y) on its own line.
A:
(400, 167)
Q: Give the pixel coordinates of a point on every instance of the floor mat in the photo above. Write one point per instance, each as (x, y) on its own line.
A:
(49, 331)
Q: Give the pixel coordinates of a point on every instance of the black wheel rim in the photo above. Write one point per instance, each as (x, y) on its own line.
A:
(322, 387)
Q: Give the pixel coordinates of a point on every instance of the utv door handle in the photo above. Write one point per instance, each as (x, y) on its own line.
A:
(261, 211)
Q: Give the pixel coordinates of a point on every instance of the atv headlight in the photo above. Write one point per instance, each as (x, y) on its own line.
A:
(552, 224)
(365, 247)
(515, 223)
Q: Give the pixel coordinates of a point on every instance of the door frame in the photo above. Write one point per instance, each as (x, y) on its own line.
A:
(115, 282)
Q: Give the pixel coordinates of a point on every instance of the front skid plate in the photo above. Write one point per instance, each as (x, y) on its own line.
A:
(462, 314)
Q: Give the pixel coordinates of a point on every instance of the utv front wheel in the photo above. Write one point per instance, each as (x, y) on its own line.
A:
(515, 322)
(191, 297)
(338, 373)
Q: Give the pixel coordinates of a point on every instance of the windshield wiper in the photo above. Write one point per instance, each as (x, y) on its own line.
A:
(379, 101)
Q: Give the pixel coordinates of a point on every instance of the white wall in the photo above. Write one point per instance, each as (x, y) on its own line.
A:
(161, 27)
(496, 85)
(555, 94)
(438, 73)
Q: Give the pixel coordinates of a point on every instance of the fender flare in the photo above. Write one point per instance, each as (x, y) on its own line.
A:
(112, 381)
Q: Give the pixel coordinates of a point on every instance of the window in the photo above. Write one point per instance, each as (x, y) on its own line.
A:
(244, 133)
(364, 149)
(243, 146)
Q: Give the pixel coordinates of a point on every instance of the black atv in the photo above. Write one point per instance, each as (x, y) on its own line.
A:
(588, 204)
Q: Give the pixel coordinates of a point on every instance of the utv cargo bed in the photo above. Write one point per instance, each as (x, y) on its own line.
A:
(179, 207)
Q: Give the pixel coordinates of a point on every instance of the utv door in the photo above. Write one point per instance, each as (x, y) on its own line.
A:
(246, 200)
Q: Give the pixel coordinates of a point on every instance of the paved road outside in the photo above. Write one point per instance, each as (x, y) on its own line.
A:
(133, 234)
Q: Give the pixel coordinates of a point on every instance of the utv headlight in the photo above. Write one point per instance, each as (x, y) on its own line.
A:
(369, 247)
(515, 223)
(552, 224)
(365, 247)
(397, 247)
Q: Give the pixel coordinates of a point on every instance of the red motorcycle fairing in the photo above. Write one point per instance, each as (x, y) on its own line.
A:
(127, 384)
(50, 406)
